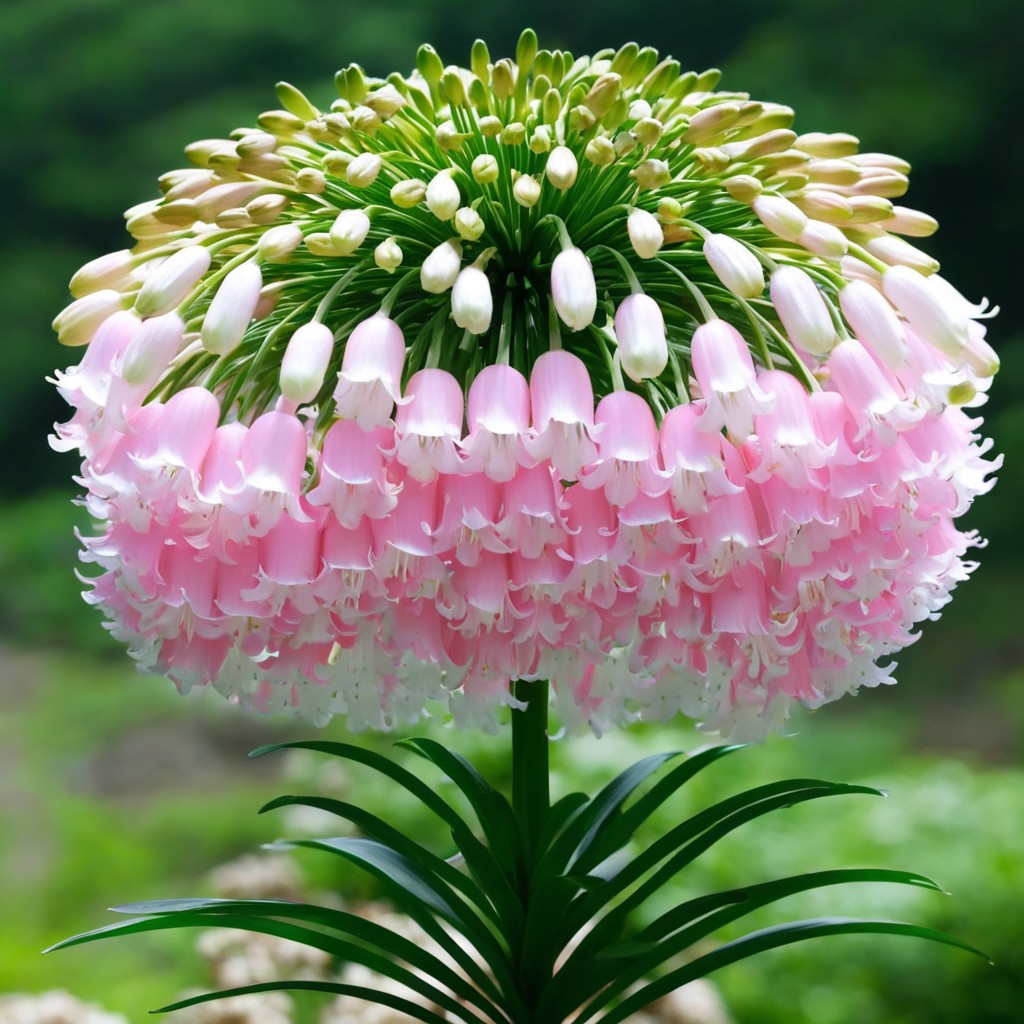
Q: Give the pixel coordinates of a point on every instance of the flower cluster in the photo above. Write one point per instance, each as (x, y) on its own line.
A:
(559, 368)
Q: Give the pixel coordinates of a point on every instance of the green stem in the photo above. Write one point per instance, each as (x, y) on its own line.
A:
(530, 794)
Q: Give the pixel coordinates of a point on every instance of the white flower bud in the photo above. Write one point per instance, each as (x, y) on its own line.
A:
(780, 216)
(77, 323)
(939, 321)
(744, 188)
(472, 304)
(734, 265)
(409, 193)
(171, 282)
(905, 221)
(640, 332)
(645, 234)
(231, 309)
(363, 170)
(305, 362)
(441, 267)
(651, 174)
(484, 169)
(526, 190)
(110, 271)
(896, 252)
(802, 310)
(277, 244)
(385, 101)
(469, 224)
(153, 347)
(824, 240)
(573, 289)
(311, 180)
(443, 197)
(874, 323)
(600, 151)
(388, 255)
(491, 126)
(561, 167)
(540, 140)
(349, 231)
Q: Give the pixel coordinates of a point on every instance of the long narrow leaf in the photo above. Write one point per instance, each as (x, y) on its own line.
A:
(425, 900)
(348, 751)
(621, 830)
(371, 995)
(586, 823)
(378, 829)
(492, 809)
(683, 927)
(369, 932)
(687, 841)
(696, 835)
(347, 951)
(759, 942)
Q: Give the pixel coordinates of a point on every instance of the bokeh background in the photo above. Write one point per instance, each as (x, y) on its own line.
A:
(113, 788)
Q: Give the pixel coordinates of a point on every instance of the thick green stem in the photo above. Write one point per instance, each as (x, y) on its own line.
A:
(530, 794)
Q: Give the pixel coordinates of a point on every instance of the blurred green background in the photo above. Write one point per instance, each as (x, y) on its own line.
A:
(113, 788)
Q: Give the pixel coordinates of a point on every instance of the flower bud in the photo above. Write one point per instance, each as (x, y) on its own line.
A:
(277, 244)
(540, 140)
(573, 289)
(526, 190)
(711, 123)
(734, 265)
(827, 145)
(910, 222)
(484, 169)
(600, 151)
(171, 282)
(744, 188)
(561, 167)
(363, 170)
(645, 233)
(802, 310)
(305, 362)
(896, 252)
(647, 131)
(153, 347)
(651, 174)
(349, 231)
(76, 323)
(824, 240)
(385, 101)
(364, 119)
(109, 271)
(640, 332)
(231, 309)
(603, 94)
(669, 210)
(388, 255)
(472, 304)
(266, 209)
(409, 193)
(441, 267)
(311, 181)
(469, 224)
(513, 134)
(490, 126)
(874, 323)
(780, 216)
(443, 197)
(928, 311)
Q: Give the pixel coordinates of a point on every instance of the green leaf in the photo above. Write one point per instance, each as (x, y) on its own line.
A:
(492, 809)
(425, 899)
(391, 943)
(378, 829)
(340, 948)
(378, 996)
(584, 824)
(759, 942)
(620, 831)
(406, 779)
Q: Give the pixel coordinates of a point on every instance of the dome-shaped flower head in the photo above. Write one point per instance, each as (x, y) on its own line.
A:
(474, 377)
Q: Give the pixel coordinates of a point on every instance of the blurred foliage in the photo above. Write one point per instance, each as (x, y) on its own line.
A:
(100, 98)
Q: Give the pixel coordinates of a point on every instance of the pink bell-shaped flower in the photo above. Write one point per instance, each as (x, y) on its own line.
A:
(562, 400)
(498, 414)
(369, 383)
(428, 426)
